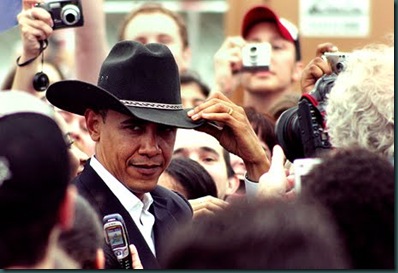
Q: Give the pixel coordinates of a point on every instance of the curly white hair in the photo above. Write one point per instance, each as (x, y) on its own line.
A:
(360, 106)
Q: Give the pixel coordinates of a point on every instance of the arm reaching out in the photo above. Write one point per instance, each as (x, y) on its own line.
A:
(35, 25)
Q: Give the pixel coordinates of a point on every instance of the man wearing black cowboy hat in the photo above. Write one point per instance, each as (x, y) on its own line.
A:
(132, 115)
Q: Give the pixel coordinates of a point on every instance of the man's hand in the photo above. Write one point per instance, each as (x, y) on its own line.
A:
(316, 68)
(135, 258)
(35, 25)
(235, 132)
(206, 205)
(276, 183)
(228, 61)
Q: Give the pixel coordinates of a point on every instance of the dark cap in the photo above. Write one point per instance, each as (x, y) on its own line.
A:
(34, 167)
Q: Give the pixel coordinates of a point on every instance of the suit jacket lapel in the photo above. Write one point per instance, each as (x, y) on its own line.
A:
(164, 224)
(108, 203)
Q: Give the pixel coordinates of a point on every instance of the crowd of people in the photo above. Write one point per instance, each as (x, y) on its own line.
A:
(200, 181)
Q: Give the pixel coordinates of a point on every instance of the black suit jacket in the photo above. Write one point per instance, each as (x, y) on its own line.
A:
(169, 209)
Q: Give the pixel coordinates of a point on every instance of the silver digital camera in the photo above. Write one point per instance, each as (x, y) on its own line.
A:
(256, 56)
(65, 13)
(337, 60)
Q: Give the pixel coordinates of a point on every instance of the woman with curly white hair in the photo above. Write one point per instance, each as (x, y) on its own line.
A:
(360, 106)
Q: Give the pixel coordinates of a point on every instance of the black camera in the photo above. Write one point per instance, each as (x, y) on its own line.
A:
(301, 130)
(65, 13)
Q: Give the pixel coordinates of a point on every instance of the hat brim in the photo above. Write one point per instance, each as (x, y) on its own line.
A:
(77, 96)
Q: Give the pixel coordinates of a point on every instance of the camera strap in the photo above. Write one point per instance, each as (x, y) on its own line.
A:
(43, 46)
(310, 98)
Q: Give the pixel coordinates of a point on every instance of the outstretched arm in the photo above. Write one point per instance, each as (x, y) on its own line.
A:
(91, 44)
(227, 62)
(35, 25)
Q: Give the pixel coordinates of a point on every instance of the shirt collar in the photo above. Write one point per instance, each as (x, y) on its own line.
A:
(128, 199)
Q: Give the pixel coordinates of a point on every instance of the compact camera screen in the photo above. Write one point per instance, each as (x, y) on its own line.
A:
(256, 56)
(65, 13)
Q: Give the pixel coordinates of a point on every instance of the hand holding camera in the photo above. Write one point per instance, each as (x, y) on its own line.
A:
(305, 123)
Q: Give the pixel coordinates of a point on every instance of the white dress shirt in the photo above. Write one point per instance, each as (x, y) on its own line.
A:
(138, 209)
(251, 187)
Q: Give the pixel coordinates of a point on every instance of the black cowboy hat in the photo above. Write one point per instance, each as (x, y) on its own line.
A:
(135, 79)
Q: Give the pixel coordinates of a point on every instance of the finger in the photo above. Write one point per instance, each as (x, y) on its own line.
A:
(214, 98)
(40, 29)
(135, 258)
(235, 41)
(42, 15)
(202, 212)
(290, 183)
(325, 47)
(209, 209)
(291, 195)
(220, 96)
(207, 202)
(278, 160)
(213, 107)
(33, 33)
(208, 206)
(317, 70)
(42, 25)
(225, 107)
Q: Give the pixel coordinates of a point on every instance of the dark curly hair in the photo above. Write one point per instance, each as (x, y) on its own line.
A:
(357, 186)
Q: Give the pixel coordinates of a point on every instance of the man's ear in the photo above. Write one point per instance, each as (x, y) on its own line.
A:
(297, 71)
(93, 123)
(233, 185)
(67, 210)
(187, 55)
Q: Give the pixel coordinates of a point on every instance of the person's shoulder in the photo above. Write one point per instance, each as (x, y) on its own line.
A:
(174, 199)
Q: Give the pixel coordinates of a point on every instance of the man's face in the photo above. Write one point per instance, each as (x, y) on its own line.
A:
(191, 95)
(134, 151)
(158, 28)
(283, 68)
(76, 126)
(207, 151)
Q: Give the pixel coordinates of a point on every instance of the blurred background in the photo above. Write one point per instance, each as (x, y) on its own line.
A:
(347, 23)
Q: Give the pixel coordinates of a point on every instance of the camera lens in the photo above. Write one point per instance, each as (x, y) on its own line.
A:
(340, 67)
(70, 14)
(40, 81)
(288, 134)
(253, 54)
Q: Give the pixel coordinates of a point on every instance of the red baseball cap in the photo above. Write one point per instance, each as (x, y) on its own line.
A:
(262, 13)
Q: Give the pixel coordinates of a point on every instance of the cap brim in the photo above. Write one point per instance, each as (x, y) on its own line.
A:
(77, 96)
